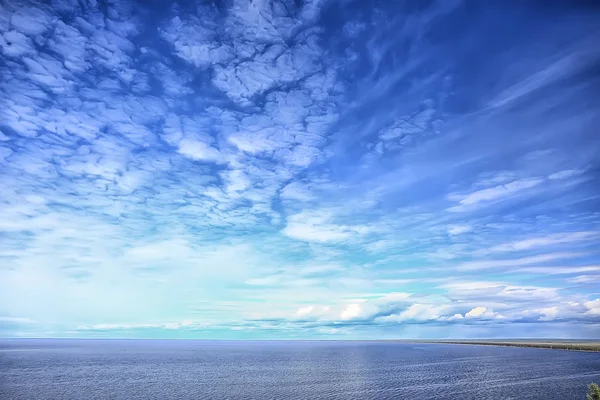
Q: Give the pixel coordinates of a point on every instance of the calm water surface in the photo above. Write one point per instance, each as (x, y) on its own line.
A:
(111, 369)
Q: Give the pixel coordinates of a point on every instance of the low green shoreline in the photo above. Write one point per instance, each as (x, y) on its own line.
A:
(557, 345)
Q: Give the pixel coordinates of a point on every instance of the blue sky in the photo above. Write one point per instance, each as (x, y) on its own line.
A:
(299, 169)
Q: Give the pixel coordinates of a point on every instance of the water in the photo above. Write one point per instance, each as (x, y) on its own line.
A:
(123, 369)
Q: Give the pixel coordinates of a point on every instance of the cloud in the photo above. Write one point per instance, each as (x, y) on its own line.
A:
(559, 270)
(584, 279)
(311, 311)
(516, 262)
(550, 240)
(459, 229)
(319, 227)
(500, 291)
(565, 174)
(198, 150)
(593, 307)
(185, 324)
(480, 312)
(396, 309)
(456, 317)
(545, 76)
(351, 311)
(17, 320)
(492, 194)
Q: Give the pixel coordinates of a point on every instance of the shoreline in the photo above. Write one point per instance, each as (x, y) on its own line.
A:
(593, 347)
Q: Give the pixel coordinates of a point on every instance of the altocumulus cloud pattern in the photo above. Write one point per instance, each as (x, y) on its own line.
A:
(317, 168)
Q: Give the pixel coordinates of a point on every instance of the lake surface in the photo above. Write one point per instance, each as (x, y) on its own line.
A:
(128, 369)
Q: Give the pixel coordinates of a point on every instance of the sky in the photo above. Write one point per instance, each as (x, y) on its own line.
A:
(317, 169)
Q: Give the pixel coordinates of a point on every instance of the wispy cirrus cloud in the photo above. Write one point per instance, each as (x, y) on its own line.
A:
(560, 270)
(550, 240)
(493, 193)
(517, 262)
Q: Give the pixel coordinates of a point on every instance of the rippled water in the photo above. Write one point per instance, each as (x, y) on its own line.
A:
(111, 369)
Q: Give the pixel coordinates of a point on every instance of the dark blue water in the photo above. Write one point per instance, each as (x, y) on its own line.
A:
(98, 369)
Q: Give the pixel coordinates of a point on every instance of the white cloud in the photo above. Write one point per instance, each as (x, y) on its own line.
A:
(550, 72)
(584, 279)
(296, 191)
(459, 229)
(351, 311)
(302, 311)
(420, 312)
(136, 326)
(516, 262)
(493, 193)
(565, 174)
(480, 313)
(548, 314)
(559, 270)
(550, 240)
(468, 201)
(593, 307)
(318, 226)
(199, 150)
(194, 38)
(17, 320)
(500, 291)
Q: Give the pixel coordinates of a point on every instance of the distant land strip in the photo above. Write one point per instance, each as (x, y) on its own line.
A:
(558, 345)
